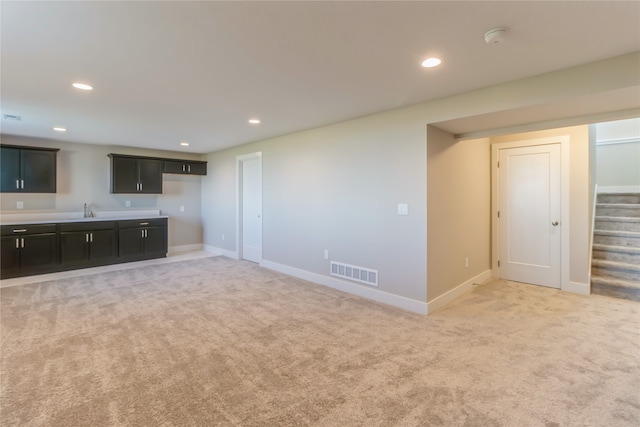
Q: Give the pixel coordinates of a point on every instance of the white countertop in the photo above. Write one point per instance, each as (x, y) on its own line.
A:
(62, 217)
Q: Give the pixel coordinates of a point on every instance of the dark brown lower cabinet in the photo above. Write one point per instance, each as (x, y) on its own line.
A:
(28, 250)
(47, 248)
(142, 239)
(84, 244)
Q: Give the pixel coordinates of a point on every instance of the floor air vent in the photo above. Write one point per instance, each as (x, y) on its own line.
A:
(351, 272)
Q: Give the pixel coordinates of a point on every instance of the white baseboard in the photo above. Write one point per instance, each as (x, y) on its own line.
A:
(184, 248)
(578, 288)
(404, 303)
(618, 189)
(220, 251)
(454, 293)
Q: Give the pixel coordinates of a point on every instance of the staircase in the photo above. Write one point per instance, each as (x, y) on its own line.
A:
(615, 268)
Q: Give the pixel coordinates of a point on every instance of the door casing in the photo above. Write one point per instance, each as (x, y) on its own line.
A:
(564, 204)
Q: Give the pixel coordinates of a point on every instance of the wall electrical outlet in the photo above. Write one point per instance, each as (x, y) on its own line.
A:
(466, 262)
(19, 205)
(127, 203)
(181, 208)
(326, 254)
(223, 237)
(403, 209)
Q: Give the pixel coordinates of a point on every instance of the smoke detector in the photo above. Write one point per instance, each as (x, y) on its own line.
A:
(495, 35)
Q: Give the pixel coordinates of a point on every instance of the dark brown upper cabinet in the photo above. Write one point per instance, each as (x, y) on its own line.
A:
(28, 169)
(185, 167)
(135, 175)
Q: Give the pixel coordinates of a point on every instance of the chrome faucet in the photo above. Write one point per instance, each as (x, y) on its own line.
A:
(88, 213)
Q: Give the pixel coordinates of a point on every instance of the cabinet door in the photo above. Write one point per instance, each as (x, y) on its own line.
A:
(103, 246)
(10, 172)
(197, 168)
(172, 166)
(124, 175)
(155, 241)
(74, 248)
(130, 243)
(10, 259)
(38, 170)
(39, 253)
(150, 176)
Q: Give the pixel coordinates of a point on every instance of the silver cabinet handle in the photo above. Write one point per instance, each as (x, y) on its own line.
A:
(554, 223)
(86, 237)
(21, 230)
(22, 243)
(22, 184)
(189, 168)
(140, 186)
(144, 223)
(146, 233)
(17, 243)
(183, 168)
(17, 184)
(142, 233)
(91, 237)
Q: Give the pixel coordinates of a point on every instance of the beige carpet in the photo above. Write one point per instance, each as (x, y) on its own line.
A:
(221, 342)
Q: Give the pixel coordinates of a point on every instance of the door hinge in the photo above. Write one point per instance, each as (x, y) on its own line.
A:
(498, 164)
(498, 214)
(498, 263)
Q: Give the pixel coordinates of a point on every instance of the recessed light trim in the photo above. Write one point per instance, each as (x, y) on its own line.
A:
(82, 86)
(254, 121)
(431, 62)
(60, 129)
(184, 143)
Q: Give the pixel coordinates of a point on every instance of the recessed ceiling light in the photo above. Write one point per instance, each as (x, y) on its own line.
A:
(82, 86)
(59, 129)
(431, 62)
(254, 121)
(184, 143)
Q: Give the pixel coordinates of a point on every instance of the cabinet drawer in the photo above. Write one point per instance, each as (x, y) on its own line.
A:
(87, 226)
(135, 223)
(16, 230)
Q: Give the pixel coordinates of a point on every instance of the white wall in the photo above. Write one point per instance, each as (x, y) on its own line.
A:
(337, 187)
(83, 176)
(618, 155)
(459, 209)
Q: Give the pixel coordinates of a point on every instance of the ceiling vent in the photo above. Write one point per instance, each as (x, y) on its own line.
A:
(11, 117)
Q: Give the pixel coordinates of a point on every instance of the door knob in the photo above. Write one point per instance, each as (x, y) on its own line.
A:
(554, 223)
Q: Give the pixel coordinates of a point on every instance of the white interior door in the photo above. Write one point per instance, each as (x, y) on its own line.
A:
(530, 208)
(252, 209)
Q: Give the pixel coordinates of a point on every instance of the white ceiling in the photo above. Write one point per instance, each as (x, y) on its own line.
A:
(165, 72)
